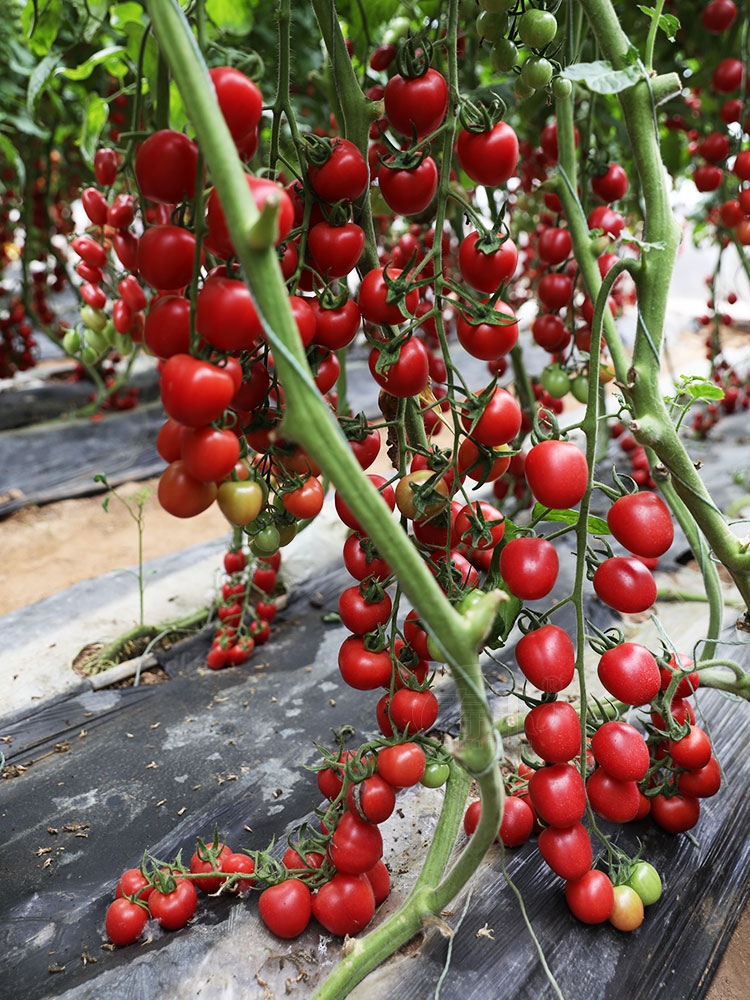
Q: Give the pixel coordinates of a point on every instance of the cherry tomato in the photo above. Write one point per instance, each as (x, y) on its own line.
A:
(642, 523)
(627, 910)
(374, 300)
(416, 104)
(166, 255)
(181, 494)
(567, 850)
(166, 167)
(240, 100)
(675, 813)
(529, 567)
(486, 270)
(489, 157)
(408, 192)
(226, 316)
(209, 453)
(554, 731)
(630, 673)
(306, 501)
(590, 898)
(558, 794)
(402, 765)
(174, 909)
(194, 392)
(240, 502)
(703, 782)
(407, 375)
(335, 250)
(625, 584)
(486, 340)
(133, 883)
(621, 750)
(125, 922)
(556, 473)
(208, 858)
(286, 908)
(644, 878)
(345, 905)
(373, 799)
(344, 176)
(615, 800)
(547, 657)
(356, 844)
(362, 668)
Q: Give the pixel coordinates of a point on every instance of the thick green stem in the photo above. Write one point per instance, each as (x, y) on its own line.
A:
(661, 235)
(309, 421)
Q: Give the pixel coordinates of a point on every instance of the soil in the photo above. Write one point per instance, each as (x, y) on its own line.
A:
(49, 548)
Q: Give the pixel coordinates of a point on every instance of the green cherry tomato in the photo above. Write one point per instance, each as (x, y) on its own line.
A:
(72, 342)
(555, 381)
(435, 774)
(240, 502)
(492, 26)
(537, 28)
(561, 88)
(93, 318)
(536, 72)
(504, 55)
(267, 541)
(644, 878)
(579, 386)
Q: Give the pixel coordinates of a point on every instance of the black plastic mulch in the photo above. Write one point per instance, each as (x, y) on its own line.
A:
(106, 775)
(103, 776)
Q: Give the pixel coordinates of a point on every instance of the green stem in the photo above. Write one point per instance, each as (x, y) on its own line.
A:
(309, 421)
(661, 236)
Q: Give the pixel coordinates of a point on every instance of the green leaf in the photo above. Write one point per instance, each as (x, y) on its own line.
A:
(124, 14)
(106, 57)
(41, 23)
(601, 78)
(595, 525)
(505, 619)
(39, 78)
(232, 16)
(668, 23)
(11, 155)
(94, 119)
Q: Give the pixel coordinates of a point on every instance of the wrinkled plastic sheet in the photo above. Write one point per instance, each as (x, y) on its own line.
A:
(104, 775)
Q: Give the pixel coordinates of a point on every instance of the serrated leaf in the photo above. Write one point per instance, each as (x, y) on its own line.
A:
(596, 525)
(601, 78)
(703, 390)
(232, 16)
(38, 79)
(106, 57)
(668, 23)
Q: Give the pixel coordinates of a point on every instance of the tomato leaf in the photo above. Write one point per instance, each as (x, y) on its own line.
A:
(668, 23)
(596, 525)
(107, 56)
(601, 77)
(39, 78)
(232, 16)
(505, 619)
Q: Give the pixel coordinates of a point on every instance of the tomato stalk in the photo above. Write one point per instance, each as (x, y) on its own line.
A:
(309, 422)
(638, 377)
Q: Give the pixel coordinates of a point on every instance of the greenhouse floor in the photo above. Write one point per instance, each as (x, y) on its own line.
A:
(100, 775)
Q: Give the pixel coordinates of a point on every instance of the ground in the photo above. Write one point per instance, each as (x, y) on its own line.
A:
(45, 551)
